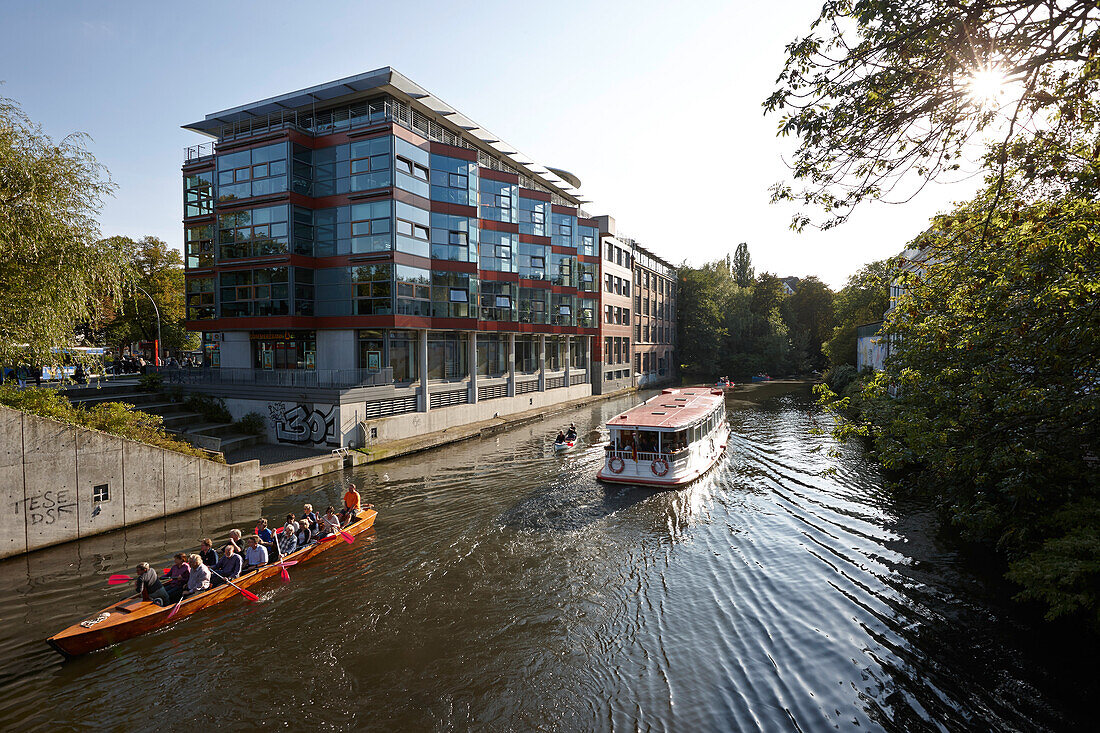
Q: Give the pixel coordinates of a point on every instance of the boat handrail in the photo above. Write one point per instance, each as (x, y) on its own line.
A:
(628, 455)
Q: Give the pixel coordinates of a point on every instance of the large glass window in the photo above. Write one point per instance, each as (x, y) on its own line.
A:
(586, 314)
(492, 355)
(452, 294)
(562, 268)
(498, 200)
(527, 354)
(411, 166)
(533, 215)
(533, 305)
(453, 180)
(198, 194)
(372, 287)
(289, 350)
(587, 242)
(200, 245)
(498, 300)
(448, 355)
(414, 297)
(372, 349)
(454, 238)
(562, 228)
(371, 229)
(371, 163)
(256, 172)
(578, 352)
(586, 277)
(253, 232)
(303, 291)
(562, 309)
(403, 351)
(200, 298)
(412, 230)
(331, 171)
(498, 251)
(262, 292)
(531, 260)
(555, 348)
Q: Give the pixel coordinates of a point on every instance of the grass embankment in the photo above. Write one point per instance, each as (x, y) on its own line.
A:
(115, 418)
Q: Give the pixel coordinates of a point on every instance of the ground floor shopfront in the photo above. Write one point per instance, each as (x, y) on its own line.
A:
(349, 388)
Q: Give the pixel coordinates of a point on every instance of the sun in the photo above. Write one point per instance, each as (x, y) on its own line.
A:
(986, 86)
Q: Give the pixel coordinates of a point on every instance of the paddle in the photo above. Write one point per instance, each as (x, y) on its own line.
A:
(176, 608)
(119, 579)
(246, 593)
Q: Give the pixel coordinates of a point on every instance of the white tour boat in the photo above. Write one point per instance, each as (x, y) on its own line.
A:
(668, 440)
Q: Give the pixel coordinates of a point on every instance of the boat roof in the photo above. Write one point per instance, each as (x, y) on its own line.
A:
(671, 410)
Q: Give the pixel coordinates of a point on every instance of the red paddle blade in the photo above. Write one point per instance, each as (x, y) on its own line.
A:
(119, 579)
(285, 574)
(348, 537)
(167, 570)
(176, 608)
(249, 595)
(329, 538)
(288, 563)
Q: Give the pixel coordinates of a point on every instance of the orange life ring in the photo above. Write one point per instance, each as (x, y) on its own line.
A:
(659, 472)
(611, 464)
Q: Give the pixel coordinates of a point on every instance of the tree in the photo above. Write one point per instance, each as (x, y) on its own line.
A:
(810, 317)
(55, 271)
(863, 300)
(883, 92)
(995, 368)
(158, 271)
(700, 318)
(742, 266)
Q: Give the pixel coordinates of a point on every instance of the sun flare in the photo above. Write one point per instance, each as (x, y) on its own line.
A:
(987, 86)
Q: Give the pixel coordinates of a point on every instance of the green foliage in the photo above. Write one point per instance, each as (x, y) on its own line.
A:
(158, 271)
(878, 94)
(254, 423)
(995, 366)
(839, 377)
(810, 315)
(742, 266)
(116, 418)
(726, 329)
(212, 409)
(55, 273)
(150, 382)
(863, 300)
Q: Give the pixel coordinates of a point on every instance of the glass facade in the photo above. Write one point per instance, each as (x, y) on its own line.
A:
(253, 232)
(246, 174)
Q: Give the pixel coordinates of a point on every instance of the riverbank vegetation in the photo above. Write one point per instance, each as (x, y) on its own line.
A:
(989, 402)
(115, 418)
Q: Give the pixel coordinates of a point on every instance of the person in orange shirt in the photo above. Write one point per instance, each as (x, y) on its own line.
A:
(351, 503)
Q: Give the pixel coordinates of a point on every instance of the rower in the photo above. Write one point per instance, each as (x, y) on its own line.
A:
(149, 586)
(571, 434)
(256, 554)
(560, 439)
(351, 502)
(228, 567)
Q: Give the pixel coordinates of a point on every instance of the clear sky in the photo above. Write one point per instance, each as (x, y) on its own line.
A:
(656, 106)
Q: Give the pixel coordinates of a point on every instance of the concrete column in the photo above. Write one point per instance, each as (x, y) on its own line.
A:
(542, 363)
(471, 359)
(588, 359)
(425, 398)
(511, 365)
(568, 357)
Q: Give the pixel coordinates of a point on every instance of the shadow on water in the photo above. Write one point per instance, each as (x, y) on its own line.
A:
(504, 588)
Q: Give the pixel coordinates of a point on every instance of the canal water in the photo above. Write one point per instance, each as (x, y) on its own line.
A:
(503, 588)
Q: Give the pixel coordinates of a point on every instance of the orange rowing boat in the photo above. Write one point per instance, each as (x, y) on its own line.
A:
(132, 617)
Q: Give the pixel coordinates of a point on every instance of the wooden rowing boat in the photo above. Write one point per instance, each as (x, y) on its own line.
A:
(132, 616)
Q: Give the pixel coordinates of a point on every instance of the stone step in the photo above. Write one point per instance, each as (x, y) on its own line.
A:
(182, 421)
(129, 397)
(217, 429)
(237, 441)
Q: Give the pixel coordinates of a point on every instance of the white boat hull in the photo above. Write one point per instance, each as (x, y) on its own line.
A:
(650, 469)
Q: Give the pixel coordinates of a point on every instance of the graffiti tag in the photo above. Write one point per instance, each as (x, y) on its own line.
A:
(300, 424)
(47, 507)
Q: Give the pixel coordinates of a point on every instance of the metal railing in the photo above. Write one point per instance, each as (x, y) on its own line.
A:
(200, 151)
(644, 457)
(292, 378)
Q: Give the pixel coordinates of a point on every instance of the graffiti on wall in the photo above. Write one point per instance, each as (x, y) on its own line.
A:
(303, 424)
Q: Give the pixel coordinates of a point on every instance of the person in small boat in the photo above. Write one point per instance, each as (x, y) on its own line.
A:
(149, 586)
(177, 577)
(288, 540)
(308, 513)
(206, 551)
(291, 523)
(263, 532)
(571, 433)
(304, 535)
(235, 541)
(351, 503)
(229, 566)
(329, 522)
(199, 579)
(561, 438)
(255, 555)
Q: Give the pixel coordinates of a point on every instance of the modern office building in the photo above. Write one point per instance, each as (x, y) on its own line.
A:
(611, 369)
(654, 319)
(365, 262)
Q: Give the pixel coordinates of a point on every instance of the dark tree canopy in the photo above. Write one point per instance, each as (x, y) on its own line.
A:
(742, 266)
(885, 96)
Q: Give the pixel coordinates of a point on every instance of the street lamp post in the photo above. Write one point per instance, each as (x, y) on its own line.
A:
(156, 351)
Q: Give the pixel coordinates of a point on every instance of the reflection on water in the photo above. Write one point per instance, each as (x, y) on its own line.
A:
(502, 587)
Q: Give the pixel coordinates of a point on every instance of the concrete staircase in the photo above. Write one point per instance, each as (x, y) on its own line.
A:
(184, 424)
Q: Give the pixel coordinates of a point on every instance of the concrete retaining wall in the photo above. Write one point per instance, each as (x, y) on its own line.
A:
(49, 471)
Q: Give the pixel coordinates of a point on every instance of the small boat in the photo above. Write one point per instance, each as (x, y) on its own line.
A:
(567, 445)
(669, 440)
(132, 616)
(725, 385)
